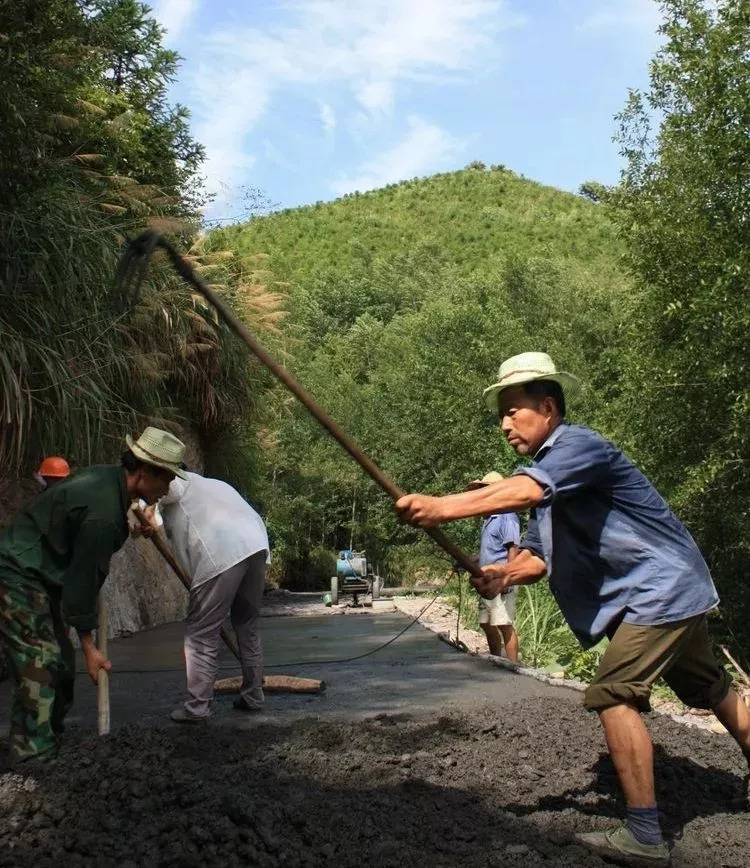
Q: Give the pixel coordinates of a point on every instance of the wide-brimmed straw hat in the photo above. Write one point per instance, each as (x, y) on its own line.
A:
(525, 368)
(160, 449)
(487, 479)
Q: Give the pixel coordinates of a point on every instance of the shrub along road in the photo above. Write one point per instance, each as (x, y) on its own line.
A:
(414, 756)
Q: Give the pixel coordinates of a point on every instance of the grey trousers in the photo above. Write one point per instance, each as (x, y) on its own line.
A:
(237, 593)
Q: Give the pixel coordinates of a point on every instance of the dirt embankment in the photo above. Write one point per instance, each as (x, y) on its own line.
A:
(467, 790)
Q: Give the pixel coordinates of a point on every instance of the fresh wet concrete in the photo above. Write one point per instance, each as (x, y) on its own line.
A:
(416, 673)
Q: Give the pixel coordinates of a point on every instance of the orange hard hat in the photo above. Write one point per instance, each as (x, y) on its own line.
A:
(54, 467)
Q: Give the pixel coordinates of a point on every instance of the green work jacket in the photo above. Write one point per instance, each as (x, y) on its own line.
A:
(64, 539)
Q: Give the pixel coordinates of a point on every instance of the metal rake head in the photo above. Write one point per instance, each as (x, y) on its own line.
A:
(132, 270)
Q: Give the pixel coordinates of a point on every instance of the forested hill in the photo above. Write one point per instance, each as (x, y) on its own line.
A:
(401, 305)
(476, 218)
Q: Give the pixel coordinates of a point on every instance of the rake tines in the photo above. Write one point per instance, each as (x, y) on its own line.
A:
(132, 270)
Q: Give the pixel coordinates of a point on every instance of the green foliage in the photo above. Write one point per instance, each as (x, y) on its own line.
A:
(322, 565)
(91, 151)
(593, 191)
(543, 635)
(684, 206)
(473, 219)
(580, 665)
(402, 303)
(153, 140)
(459, 594)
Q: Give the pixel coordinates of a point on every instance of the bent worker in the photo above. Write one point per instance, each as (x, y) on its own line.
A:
(222, 543)
(501, 535)
(54, 559)
(620, 564)
(52, 471)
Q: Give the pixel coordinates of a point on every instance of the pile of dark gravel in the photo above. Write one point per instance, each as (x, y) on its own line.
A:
(461, 790)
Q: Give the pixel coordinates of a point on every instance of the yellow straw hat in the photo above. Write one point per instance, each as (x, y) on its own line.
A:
(526, 368)
(160, 449)
(487, 479)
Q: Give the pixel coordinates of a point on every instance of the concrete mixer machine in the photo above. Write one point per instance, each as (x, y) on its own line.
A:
(354, 576)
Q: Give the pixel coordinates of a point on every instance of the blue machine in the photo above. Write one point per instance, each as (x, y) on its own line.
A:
(351, 564)
(354, 576)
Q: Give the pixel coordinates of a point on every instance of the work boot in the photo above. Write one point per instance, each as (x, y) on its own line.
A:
(182, 715)
(618, 845)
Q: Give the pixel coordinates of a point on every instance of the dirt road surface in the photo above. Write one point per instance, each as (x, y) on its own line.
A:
(414, 756)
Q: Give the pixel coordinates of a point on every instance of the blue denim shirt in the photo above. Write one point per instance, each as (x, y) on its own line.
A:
(498, 532)
(613, 548)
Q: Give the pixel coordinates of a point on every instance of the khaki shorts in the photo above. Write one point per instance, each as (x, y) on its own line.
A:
(499, 612)
(679, 652)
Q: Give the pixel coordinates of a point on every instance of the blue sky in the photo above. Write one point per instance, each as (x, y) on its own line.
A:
(311, 99)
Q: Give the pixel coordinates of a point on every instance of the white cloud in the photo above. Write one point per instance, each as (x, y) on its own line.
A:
(424, 148)
(174, 15)
(222, 130)
(376, 96)
(327, 117)
(366, 47)
(642, 15)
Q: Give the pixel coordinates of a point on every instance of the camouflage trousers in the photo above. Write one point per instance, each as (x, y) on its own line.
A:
(42, 663)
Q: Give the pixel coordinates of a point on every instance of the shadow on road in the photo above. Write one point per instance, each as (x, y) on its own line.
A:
(685, 790)
(272, 797)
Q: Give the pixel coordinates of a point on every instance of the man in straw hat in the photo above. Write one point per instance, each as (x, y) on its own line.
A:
(500, 537)
(53, 561)
(619, 563)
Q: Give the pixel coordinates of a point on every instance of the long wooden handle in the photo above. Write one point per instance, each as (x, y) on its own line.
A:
(272, 684)
(102, 681)
(166, 552)
(148, 240)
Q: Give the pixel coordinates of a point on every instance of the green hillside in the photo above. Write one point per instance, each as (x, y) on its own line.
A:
(401, 305)
(475, 217)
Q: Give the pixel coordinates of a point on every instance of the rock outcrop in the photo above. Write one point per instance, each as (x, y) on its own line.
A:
(141, 590)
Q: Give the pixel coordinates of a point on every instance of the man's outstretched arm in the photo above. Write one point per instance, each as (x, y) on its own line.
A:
(509, 495)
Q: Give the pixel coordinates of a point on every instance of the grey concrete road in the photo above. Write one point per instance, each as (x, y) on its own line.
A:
(416, 674)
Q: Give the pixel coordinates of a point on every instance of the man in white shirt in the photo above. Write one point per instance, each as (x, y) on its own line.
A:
(222, 543)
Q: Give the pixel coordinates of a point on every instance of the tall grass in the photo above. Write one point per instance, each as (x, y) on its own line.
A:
(88, 157)
(543, 634)
(76, 373)
(459, 594)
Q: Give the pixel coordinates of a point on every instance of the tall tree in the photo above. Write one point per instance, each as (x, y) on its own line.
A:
(684, 205)
(135, 69)
(91, 150)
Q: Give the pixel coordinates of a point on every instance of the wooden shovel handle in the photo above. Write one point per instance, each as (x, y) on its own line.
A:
(102, 681)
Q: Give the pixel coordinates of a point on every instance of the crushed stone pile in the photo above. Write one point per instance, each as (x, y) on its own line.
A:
(465, 789)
